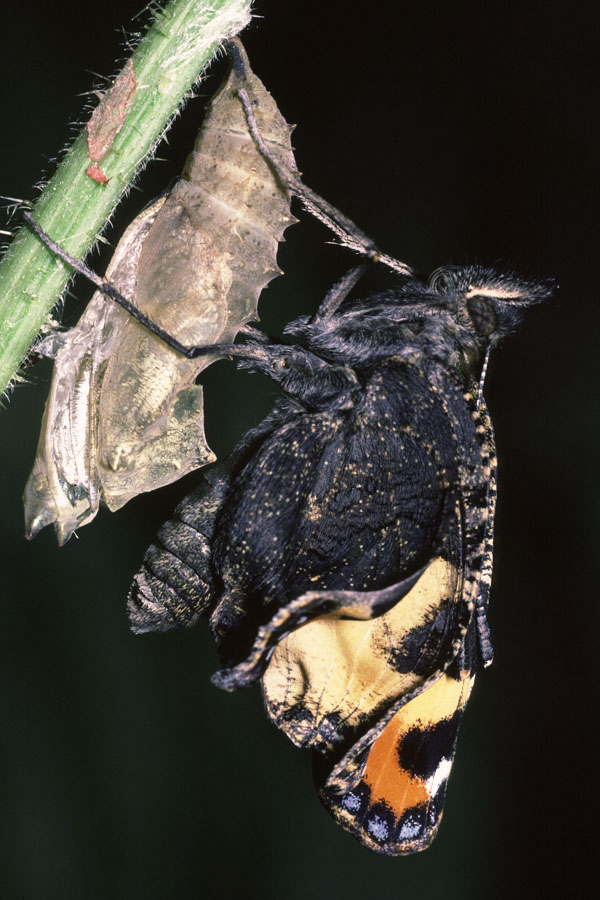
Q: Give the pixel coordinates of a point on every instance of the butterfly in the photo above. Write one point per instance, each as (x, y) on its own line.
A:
(343, 554)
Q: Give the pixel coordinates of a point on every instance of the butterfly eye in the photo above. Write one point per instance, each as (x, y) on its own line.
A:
(483, 315)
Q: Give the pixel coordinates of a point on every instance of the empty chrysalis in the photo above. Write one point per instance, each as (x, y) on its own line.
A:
(124, 415)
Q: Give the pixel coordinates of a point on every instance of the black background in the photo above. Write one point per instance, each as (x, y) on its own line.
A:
(450, 132)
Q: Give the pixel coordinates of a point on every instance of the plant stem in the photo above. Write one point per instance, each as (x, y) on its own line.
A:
(73, 207)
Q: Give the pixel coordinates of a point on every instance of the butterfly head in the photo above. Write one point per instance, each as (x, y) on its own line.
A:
(488, 303)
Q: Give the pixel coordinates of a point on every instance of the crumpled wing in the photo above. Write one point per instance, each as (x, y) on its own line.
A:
(335, 676)
(124, 415)
(380, 702)
(397, 804)
(351, 674)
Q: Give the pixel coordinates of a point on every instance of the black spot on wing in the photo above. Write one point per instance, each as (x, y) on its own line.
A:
(422, 749)
(419, 651)
(323, 736)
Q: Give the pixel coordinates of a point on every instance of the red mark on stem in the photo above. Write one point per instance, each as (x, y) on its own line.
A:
(107, 120)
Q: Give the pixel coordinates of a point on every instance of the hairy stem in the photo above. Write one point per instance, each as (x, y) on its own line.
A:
(73, 206)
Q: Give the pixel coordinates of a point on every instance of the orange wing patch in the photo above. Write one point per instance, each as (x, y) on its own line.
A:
(397, 806)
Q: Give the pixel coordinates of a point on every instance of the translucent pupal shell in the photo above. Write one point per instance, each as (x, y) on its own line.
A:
(124, 415)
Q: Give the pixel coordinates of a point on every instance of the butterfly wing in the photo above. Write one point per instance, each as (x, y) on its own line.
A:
(360, 676)
(336, 519)
(397, 805)
(395, 716)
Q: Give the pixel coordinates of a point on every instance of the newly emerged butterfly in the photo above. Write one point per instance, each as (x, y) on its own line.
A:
(343, 552)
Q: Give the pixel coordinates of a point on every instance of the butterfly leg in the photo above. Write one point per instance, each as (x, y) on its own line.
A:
(105, 287)
(340, 290)
(112, 293)
(350, 235)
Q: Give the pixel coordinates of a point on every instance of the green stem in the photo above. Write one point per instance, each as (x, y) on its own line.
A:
(73, 207)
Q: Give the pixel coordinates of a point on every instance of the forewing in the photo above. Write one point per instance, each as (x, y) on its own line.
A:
(124, 409)
(396, 806)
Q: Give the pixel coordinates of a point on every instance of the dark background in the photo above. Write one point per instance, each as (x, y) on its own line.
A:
(450, 132)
